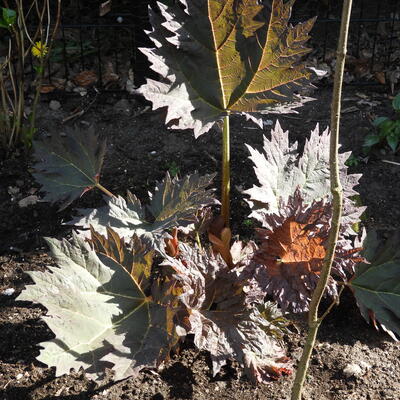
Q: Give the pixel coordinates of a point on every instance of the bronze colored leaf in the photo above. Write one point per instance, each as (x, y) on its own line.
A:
(217, 57)
(217, 313)
(85, 78)
(172, 244)
(292, 251)
(137, 259)
(220, 237)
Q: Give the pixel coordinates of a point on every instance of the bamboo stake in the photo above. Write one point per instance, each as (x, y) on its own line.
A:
(337, 203)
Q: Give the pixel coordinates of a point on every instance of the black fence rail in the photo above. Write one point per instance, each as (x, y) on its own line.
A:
(103, 50)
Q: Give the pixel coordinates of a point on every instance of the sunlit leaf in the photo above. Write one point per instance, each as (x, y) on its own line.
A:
(280, 170)
(136, 256)
(175, 202)
(101, 315)
(221, 319)
(69, 166)
(291, 253)
(376, 284)
(226, 56)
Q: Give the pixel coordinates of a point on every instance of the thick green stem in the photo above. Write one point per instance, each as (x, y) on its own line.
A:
(104, 190)
(337, 204)
(226, 173)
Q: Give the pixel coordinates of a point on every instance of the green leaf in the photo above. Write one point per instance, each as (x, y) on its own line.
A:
(376, 285)
(393, 142)
(396, 102)
(174, 203)
(371, 140)
(218, 57)
(9, 17)
(100, 314)
(67, 167)
(38, 69)
(378, 121)
(386, 128)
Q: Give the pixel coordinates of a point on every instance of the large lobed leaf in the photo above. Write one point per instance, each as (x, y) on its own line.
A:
(280, 170)
(109, 306)
(289, 259)
(174, 203)
(293, 203)
(68, 166)
(376, 284)
(223, 322)
(102, 315)
(225, 56)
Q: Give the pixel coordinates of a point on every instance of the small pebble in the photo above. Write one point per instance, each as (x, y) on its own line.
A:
(28, 201)
(12, 190)
(54, 105)
(351, 370)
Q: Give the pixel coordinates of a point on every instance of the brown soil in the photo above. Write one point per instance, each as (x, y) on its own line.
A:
(141, 149)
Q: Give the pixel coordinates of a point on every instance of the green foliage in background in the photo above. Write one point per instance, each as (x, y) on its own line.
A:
(388, 130)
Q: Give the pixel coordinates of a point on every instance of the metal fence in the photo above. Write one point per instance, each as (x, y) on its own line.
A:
(105, 49)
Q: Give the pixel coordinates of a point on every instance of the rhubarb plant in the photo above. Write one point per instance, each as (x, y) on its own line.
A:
(68, 166)
(294, 206)
(173, 203)
(135, 290)
(217, 58)
(103, 312)
(112, 305)
(136, 279)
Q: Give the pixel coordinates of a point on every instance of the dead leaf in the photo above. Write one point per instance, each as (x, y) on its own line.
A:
(350, 110)
(109, 75)
(28, 201)
(105, 8)
(47, 88)
(85, 78)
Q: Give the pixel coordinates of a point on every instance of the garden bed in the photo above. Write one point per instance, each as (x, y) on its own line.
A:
(140, 151)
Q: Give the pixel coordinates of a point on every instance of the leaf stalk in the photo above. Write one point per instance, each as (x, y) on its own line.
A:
(337, 203)
(104, 190)
(226, 178)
